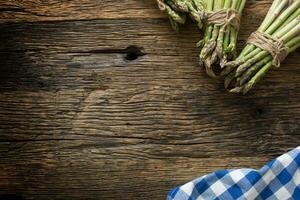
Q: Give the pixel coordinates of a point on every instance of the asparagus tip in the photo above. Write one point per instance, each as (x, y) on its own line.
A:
(236, 90)
(248, 87)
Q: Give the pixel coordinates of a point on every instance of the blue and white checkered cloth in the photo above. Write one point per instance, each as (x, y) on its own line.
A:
(278, 180)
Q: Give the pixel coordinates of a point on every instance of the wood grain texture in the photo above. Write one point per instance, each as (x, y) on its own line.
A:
(102, 100)
(37, 10)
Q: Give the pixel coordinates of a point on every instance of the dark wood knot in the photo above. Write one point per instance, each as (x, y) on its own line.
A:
(133, 52)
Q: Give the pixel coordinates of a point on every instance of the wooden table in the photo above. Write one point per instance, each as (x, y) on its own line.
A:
(100, 99)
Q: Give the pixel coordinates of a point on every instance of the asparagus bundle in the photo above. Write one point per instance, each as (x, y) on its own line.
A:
(278, 35)
(178, 10)
(220, 37)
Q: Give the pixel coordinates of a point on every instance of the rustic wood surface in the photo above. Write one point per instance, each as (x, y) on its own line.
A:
(100, 99)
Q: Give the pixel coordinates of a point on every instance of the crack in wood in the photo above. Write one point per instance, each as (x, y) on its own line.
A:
(132, 52)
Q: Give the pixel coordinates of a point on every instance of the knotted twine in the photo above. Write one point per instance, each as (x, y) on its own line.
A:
(221, 17)
(224, 17)
(272, 45)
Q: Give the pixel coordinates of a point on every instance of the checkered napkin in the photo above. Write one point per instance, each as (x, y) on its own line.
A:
(278, 180)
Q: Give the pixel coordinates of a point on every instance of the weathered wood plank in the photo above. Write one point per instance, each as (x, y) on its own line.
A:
(80, 170)
(82, 116)
(34, 10)
(57, 10)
